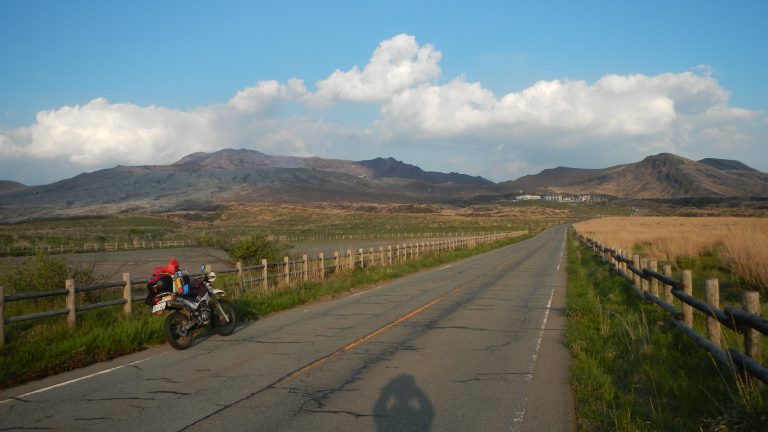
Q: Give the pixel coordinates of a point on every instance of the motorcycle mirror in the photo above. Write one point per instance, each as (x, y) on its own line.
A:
(202, 268)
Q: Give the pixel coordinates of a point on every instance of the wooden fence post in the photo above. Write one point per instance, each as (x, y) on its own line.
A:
(2, 316)
(264, 275)
(127, 295)
(350, 263)
(304, 268)
(635, 278)
(643, 280)
(240, 277)
(688, 289)
(389, 254)
(750, 301)
(287, 270)
(668, 297)
(654, 266)
(381, 256)
(362, 257)
(628, 275)
(712, 288)
(336, 261)
(619, 264)
(72, 315)
(321, 257)
(603, 253)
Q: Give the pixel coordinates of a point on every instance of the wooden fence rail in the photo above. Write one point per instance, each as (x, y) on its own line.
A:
(644, 277)
(93, 247)
(259, 278)
(112, 246)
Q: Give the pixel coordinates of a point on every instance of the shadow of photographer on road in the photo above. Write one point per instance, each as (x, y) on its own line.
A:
(402, 406)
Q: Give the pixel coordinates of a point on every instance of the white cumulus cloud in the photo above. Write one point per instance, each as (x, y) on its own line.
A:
(613, 106)
(101, 133)
(264, 95)
(397, 64)
(415, 115)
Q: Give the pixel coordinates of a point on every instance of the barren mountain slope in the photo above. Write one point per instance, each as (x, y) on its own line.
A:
(660, 176)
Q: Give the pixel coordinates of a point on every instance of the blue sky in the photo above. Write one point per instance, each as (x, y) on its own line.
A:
(499, 89)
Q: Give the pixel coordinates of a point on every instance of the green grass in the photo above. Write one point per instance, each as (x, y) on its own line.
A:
(303, 222)
(51, 347)
(78, 231)
(632, 370)
(298, 222)
(35, 351)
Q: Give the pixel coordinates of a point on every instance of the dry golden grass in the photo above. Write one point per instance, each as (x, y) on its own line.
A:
(742, 243)
(746, 252)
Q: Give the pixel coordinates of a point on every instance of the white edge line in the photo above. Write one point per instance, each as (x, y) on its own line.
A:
(74, 380)
(520, 415)
(445, 267)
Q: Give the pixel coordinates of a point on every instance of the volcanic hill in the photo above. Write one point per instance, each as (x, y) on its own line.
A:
(661, 176)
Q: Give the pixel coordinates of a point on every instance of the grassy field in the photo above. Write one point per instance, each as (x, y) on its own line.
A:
(631, 370)
(732, 250)
(736, 248)
(373, 219)
(76, 232)
(299, 221)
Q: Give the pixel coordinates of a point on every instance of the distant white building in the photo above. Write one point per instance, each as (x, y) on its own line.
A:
(568, 198)
(528, 197)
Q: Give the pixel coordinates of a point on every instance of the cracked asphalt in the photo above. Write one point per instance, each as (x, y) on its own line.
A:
(459, 348)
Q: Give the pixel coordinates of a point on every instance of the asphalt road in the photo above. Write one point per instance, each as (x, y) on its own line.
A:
(466, 347)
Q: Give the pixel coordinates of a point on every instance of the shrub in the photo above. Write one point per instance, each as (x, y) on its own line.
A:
(44, 273)
(255, 247)
(249, 249)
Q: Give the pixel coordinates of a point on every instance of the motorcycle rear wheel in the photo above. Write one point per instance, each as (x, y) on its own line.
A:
(219, 324)
(175, 333)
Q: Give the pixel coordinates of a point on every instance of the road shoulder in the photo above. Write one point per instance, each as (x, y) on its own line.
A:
(550, 400)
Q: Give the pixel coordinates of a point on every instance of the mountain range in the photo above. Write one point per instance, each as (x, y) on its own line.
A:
(204, 181)
(661, 176)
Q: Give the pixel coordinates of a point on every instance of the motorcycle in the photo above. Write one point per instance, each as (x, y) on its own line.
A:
(187, 315)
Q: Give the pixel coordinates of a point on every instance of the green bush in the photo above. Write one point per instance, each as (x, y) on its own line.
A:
(45, 273)
(250, 249)
(255, 247)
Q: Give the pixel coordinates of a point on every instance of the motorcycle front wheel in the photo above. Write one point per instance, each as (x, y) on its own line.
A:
(218, 322)
(175, 332)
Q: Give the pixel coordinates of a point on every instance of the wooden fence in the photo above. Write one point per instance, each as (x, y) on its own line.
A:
(649, 284)
(261, 278)
(112, 246)
(22, 250)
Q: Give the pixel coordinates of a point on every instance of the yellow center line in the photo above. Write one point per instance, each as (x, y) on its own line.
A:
(369, 336)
